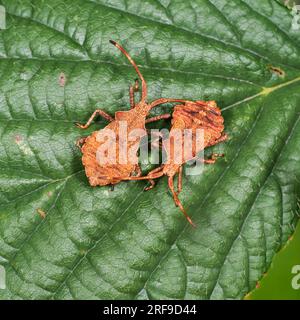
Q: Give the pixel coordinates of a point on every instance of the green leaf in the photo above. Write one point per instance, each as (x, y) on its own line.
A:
(130, 244)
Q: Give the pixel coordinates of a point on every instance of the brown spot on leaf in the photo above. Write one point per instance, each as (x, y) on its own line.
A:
(23, 145)
(41, 212)
(18, 138)
(277, 71)
(62, 79)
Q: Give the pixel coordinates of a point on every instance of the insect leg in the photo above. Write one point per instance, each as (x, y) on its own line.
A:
(138, 171)
(132, 90)
(177, 201)
(162, 116)
(154, 174)
(171, 186)
(80, 142)
(165, 100)
(223, 138)
(179, 182)
(152, 182)
(155, 170)
(213, 158)
(96, 112)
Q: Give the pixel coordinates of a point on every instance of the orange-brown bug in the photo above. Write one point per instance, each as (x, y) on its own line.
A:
(190, 115)
(110, 174)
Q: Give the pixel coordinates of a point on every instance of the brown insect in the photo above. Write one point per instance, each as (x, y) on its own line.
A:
(41, 212)
(135, 118)
(190, 115)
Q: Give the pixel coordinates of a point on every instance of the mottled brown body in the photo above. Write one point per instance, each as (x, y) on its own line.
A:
(115, 172)
(190, 115)
(135, 118)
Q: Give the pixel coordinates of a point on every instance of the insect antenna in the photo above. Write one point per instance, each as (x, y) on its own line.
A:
(144, 84)
(166, 100)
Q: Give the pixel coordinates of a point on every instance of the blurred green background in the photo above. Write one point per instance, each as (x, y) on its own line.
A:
(278, 282)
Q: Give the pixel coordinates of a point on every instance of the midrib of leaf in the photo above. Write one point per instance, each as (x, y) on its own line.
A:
(264, 92)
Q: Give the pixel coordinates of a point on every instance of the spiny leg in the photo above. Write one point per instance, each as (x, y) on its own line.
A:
(177, 201)
(152, 185)
(213, 158)
(138, 170)
(209, 161)
(157, 118)
(223, 138)
(96, 112)
(155, 170)
(152, 182)
(131, 97)
(135, 178)
(179, 182)
(166, 100)
(132, 90)
(154, 174)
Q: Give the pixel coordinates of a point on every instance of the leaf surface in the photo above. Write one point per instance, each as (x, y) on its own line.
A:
(130, 244)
